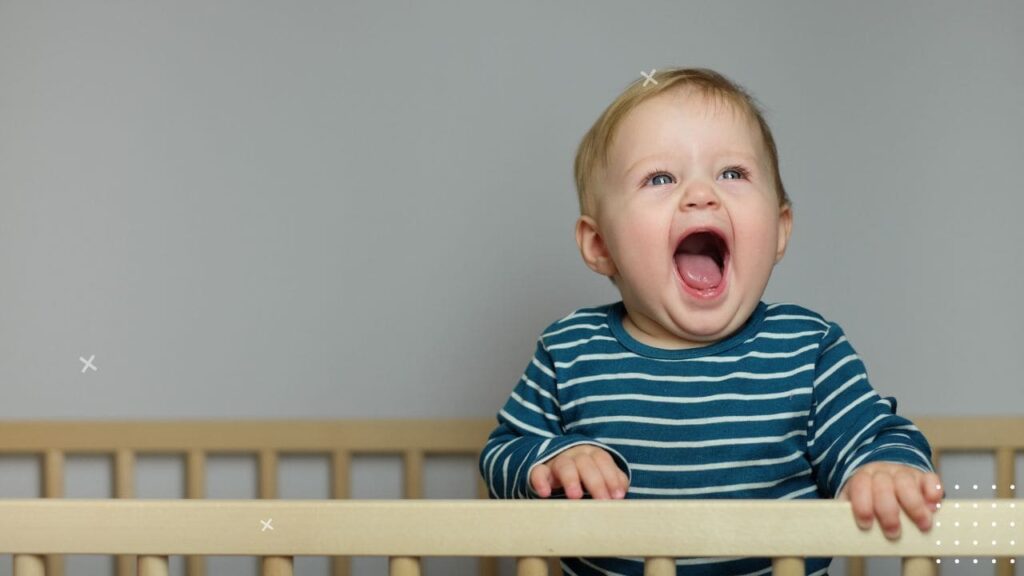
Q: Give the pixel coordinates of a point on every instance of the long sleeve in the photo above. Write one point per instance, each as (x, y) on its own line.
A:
(850, 425)
(529, 432)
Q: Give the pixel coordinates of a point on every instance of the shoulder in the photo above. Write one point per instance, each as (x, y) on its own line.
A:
(580, 323)
(793, 318)
(788, 317)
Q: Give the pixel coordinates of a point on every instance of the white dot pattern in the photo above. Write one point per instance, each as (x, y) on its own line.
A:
(972, 533)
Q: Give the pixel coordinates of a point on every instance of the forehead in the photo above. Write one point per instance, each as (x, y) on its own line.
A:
(688, 123)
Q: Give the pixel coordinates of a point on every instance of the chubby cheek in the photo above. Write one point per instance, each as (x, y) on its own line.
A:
(641, 263)
(754, 252)
(638, 248)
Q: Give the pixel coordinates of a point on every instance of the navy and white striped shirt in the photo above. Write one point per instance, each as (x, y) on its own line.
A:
(782, 409)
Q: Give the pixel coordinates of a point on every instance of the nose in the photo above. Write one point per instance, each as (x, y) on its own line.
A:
(697, 196)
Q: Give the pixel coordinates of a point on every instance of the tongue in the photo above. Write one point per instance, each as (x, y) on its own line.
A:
(699, 271)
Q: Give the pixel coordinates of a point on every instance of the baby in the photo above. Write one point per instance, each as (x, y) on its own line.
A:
(691, 386)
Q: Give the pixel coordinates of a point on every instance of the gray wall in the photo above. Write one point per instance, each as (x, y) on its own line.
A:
(365, 209)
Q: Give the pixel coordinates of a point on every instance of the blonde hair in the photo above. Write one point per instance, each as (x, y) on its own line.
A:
(593, 149)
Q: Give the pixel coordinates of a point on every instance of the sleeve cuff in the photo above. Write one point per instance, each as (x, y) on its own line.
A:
(910, 457)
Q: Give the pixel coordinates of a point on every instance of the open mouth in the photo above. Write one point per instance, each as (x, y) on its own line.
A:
(700, 259)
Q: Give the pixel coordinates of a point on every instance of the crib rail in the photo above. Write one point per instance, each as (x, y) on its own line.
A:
(406, 530)
(341, 440)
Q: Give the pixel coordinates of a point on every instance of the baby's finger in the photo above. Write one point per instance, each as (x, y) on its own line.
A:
(931, 485)
(614, 479)
(540, 479)
(887, 508)
(592, 477)
(859, 492)
(564, 470)
(908, 492)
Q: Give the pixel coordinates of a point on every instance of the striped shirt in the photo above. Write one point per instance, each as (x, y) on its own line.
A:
(781, 409)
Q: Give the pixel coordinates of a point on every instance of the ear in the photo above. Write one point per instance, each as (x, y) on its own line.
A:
(592, 247)
(785, 228)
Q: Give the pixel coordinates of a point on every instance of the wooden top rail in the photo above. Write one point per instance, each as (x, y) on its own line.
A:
(433, 436)
(964, 433)
(376, 436)
(648, 528)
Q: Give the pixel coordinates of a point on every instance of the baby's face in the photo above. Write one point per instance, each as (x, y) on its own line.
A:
(688, 220)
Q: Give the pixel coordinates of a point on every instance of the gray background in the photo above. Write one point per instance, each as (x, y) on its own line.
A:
(365, 209)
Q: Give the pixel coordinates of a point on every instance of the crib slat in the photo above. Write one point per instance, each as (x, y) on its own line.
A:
(54, 564)
(659, 567)
(404, 566)
(918, 566)
(124, 564)
(53, 487)
(341, 478)
(124, 487)
(152, 565)
(268, 474)
(481, 488)
(413, 473)
(554, 566)
(53, 474)
(1004, 472)
(489, 564)
(195, 474)
(277, 566)
(272, 565)
(29, 565)
(531, 567)
(1004, 479)
(855, 566)
(195, 487)
(124, 473)
(341, 486)
(195, 566)
(788, 566)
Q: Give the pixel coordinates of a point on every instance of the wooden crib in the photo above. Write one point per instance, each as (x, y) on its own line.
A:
(142, 533)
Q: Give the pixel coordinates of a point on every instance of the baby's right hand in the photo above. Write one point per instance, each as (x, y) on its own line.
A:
(587, 463)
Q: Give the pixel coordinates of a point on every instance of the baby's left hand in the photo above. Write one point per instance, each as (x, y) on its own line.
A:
(875, 488)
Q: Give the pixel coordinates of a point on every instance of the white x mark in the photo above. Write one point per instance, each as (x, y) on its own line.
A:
(649, 77)
(88, 363)
(266, 524)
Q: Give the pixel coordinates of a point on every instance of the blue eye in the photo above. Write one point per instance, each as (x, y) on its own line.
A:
(661, 175)
(654, 175)
(738, 171)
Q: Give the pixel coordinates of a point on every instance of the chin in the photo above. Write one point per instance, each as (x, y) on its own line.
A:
(711, 325)
(710, 331)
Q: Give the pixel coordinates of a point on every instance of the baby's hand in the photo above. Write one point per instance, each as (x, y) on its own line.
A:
(881, 488)
(587, 463)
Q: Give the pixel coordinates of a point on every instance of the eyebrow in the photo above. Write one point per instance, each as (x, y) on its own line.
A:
(641, 161)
